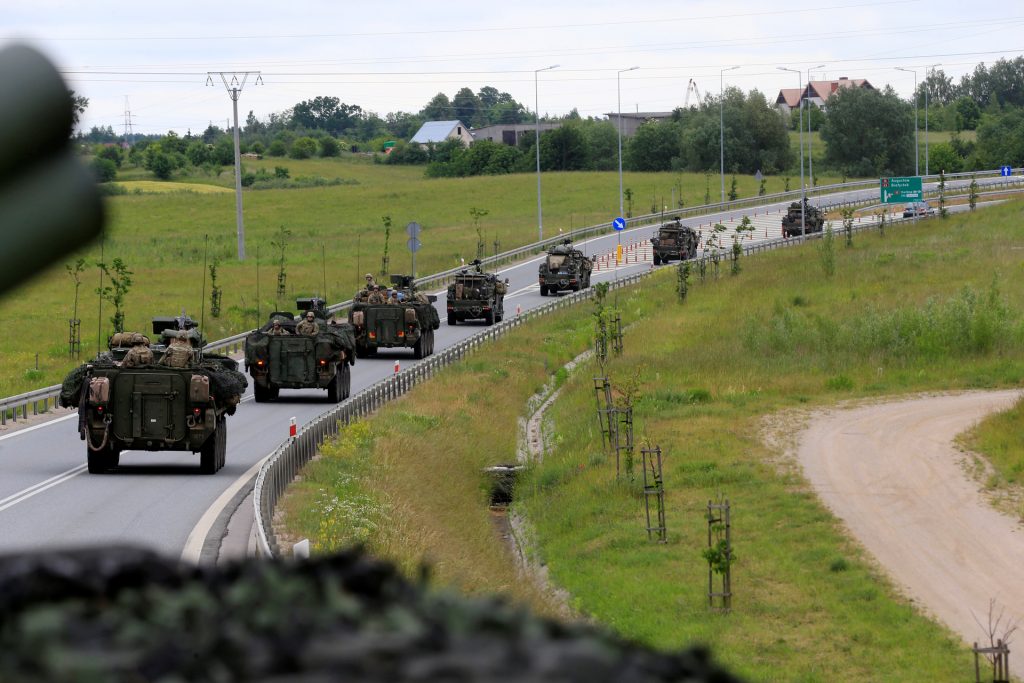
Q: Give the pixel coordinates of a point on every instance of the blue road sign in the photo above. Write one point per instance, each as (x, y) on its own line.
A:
(619, 223)
(1005, 171)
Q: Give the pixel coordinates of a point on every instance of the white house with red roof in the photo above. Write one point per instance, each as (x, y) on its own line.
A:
(816, 92)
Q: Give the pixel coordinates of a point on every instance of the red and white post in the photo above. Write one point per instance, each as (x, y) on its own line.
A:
(398, 368)
(292, 429)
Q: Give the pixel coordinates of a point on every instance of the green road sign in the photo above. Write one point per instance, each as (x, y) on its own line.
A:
(899, 190)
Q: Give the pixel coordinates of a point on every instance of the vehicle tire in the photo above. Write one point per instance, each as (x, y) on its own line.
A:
(543, 290)
(452, 319)
(419, 348)
(346, 381)
(273, 392)
(213, 453)
(489, 317)
(657, 260)
(334, 388)
(260, 393)
(103, 460)
(431, 350)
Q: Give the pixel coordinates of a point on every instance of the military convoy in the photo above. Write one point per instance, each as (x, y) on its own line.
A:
(476, 295)
(564, 267)
(154, 406)
(282, 355)
(409, 322)
(674, 241)
(814, 220)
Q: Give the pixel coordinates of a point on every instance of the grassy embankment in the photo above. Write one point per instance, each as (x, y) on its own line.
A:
(914, 311)
(1000, 439)
(160, 236)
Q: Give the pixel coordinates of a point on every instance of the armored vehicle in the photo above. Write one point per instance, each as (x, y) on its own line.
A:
(814, 220)
(153, 406)
(278, 357)
(409, 323)
(476, 295)
(564, 268)
(674, 241)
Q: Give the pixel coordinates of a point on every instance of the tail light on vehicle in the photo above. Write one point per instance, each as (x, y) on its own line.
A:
(401, 334)
(322, 362)
(373, 335)
(260, 363)
(197, 411)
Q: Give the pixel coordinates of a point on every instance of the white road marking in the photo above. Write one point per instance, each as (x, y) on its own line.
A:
(197, 537)
(25, 494)
(26, 430)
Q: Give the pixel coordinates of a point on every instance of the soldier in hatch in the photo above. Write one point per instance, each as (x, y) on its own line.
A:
(139, 353)
(376, 296)
(308, 325)
(276, 329)
(179, 352)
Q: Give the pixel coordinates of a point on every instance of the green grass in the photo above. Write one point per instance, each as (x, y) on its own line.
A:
(816, 146)
(809, 605)
(337, 234)
(1000, 439)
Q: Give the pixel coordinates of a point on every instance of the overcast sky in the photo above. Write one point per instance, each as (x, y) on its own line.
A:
(395, 56)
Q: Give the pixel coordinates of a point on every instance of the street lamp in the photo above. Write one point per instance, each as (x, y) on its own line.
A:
(917, 153)
(618, 87)
(927, 87)
(721, 127)
(536, 104)
(810, 137)
(803, 188)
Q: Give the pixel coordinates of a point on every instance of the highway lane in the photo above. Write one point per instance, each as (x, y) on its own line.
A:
(155, 499)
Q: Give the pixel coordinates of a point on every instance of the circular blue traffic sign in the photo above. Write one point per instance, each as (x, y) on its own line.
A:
(619, 223)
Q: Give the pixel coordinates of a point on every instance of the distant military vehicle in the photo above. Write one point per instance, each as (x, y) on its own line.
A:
(300, 361)
(814, 220)
(409, 323)
(565, 267)
(674, 241)
(154, 407)
(476, 295)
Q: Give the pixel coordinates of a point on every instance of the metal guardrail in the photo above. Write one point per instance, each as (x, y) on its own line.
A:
(41, 400)
(284, 464)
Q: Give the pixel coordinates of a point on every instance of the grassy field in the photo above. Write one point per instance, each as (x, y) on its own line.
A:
(816, 146)
(336, 235)
(925, 308)
(1000, 438)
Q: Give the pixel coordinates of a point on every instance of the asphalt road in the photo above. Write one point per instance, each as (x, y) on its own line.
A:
(155, 500)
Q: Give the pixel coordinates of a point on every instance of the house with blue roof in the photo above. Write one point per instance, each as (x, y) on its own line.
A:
(439, 131)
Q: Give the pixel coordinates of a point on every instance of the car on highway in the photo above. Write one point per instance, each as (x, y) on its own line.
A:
(920, 209)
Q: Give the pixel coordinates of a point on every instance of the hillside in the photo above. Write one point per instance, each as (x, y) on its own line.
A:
(924, 308)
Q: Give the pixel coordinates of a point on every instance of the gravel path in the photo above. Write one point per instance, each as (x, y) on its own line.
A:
(892, 474)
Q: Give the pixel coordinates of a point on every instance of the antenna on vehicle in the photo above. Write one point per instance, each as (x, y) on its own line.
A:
(202, 302)
(323, 262)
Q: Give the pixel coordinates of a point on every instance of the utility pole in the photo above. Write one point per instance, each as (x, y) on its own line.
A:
(128, 132)
(234, 88)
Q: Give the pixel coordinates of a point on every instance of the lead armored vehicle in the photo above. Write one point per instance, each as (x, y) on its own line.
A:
(409, 323)
(153, 406)
(814, 220)
(674, 241)
(476, 295)
(564, 267)
(277, 357)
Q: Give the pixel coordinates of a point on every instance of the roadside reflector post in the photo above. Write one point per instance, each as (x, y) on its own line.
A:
(291, 428)
(519, 310)
(398, 367)
(300, 551)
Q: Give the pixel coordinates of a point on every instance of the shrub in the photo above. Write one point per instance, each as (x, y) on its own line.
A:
(303, 148)
(105, 170)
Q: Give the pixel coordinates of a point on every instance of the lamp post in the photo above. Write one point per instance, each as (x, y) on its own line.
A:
(618, 87)
(721, 126)
(810, 136)
(927, 87)
(917, 153)
(536, 104)
(803, 188)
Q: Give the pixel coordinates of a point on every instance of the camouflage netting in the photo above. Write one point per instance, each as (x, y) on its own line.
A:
(71, 387)
(122, 614)
(226, 384)
(337, 337)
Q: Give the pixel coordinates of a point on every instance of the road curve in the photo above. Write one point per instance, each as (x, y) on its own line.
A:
(891, 473)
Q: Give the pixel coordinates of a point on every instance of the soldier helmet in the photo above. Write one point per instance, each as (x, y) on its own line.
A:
(137, 338)
(368, 276)
(309, 315)
(276, 322)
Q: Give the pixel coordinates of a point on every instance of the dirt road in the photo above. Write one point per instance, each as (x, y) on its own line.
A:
(891, 473)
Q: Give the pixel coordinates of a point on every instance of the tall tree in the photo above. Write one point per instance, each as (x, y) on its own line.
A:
(326, 113)
(78, 106)
(467, 107)
(869, 132)
(439, 108)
